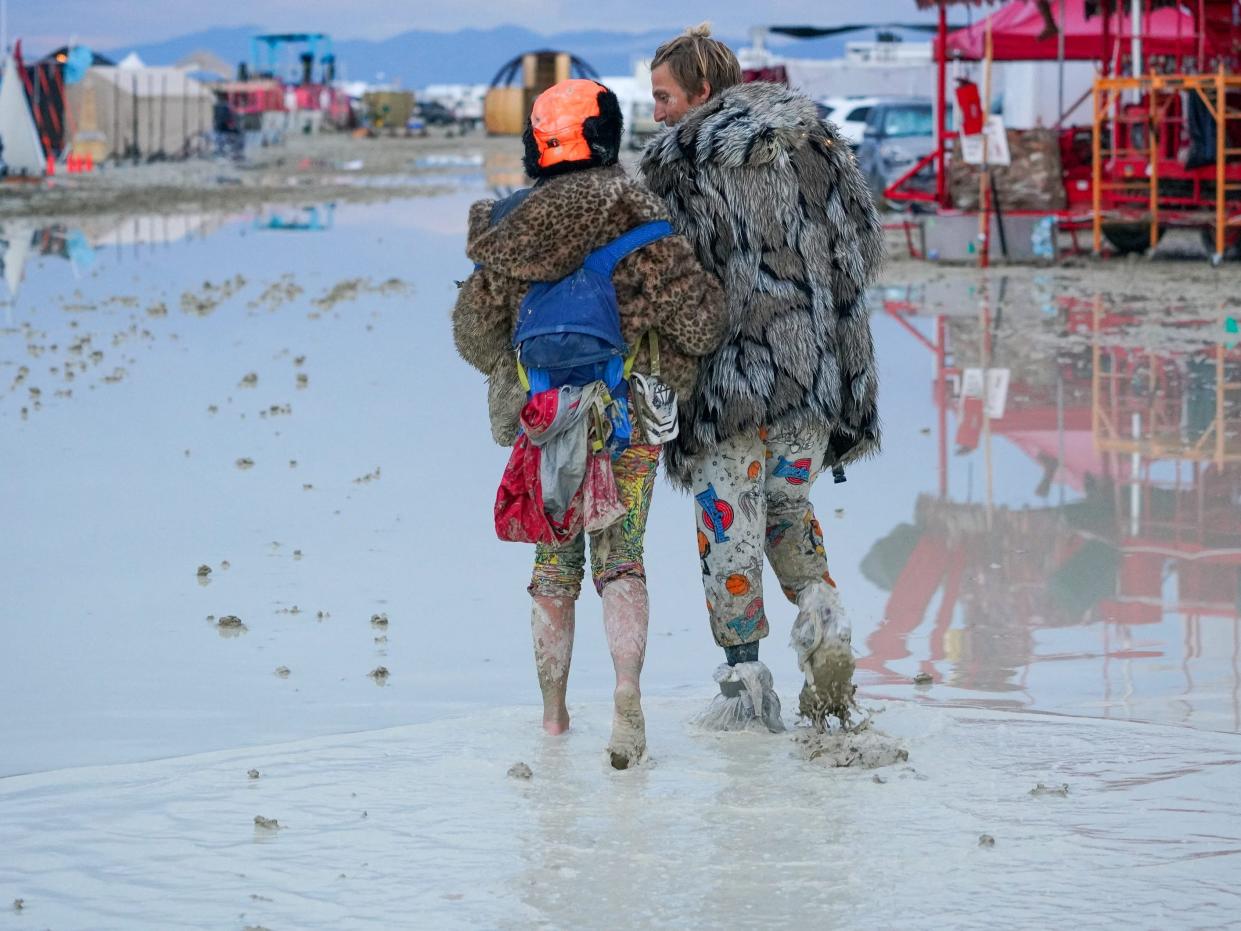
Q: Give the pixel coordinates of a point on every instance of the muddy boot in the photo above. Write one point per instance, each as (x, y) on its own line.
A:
(821, 637)
(747, 697)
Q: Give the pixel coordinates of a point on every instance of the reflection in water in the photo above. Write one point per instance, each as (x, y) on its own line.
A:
(316, 218)
(1133, 419)
(83, 243)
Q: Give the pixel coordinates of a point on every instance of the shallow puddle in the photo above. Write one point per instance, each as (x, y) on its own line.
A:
(1055, 523)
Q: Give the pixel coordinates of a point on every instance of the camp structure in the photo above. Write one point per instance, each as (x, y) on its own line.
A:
(23, 152)
(510, 100)
(140, 112)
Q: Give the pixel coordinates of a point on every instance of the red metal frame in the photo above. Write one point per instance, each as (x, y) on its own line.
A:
(1219, 44)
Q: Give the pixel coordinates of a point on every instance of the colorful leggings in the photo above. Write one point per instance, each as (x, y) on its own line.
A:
(752, 495)
(614, 552)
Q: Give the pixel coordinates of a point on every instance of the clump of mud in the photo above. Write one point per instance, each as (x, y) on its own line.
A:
(230, 626)
(379, 674)
(351, 288)
(211, 296)
(520, 771)
(367, 478)
(204, 571)
(1062, 790)
(379, 620)
(245, 462)
(986, 840)
(923, 678)
(860, 748)
(283, 672)
(269, 824)
(19, 904)
(279, 292)
(253, 773)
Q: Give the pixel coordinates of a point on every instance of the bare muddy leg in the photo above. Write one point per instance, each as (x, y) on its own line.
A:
(551, 624)
(625, 614)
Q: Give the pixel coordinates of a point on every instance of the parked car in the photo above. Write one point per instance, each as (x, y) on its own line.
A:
(899, 132)
(641, 125)
(849, 114)
(434, 113)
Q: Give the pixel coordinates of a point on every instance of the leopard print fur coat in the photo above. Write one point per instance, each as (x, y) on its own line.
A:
(774, 204)
(661, 286)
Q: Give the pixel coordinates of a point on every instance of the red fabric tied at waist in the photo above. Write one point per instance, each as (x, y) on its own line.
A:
(520, 514)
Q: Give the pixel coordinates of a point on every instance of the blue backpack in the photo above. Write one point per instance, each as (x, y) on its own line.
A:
(568, 331)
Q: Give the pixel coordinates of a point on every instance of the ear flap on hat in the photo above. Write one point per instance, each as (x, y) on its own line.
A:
(602, 133)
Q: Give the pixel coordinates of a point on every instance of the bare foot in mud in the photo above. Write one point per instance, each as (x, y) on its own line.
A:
(628, 744)
(557, 722)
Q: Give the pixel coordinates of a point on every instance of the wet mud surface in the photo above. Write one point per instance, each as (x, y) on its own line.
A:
(435, 823)
(267, 389)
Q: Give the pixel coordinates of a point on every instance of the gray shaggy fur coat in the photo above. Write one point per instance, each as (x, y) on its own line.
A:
(773, 203)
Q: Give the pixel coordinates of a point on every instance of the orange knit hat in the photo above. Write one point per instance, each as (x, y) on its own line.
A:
(558, 119)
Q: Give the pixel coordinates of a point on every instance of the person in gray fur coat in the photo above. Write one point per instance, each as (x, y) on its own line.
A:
(774, 205)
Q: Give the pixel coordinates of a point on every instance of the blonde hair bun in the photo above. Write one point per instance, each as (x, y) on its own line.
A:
(701, 31)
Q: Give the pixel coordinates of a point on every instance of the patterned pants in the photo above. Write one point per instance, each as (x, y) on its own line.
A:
(752, 495)
(614, 552)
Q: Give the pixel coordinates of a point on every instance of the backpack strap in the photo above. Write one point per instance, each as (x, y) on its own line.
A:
(652, 343)
(605, 259)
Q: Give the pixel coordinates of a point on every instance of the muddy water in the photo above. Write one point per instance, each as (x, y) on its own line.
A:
(1062, 535)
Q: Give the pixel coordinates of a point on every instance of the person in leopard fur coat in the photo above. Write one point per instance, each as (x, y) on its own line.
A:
(583, 200)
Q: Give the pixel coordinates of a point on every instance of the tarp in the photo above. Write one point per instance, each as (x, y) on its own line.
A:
(155, 110)
(23, 153)
(1015, 31)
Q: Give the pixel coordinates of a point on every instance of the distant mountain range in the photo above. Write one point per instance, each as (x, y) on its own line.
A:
(467, 56)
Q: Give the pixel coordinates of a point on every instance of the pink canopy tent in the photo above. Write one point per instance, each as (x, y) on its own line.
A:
(1015, 30)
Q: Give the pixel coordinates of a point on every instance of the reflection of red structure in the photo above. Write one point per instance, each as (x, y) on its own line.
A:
(1151, 439)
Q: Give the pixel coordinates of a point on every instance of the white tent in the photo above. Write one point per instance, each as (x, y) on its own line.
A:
(23, 152)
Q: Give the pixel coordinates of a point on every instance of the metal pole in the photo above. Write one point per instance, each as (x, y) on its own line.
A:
(984, 177)
(163, 113)
(1060, 61)
(1152, 147)
(1221, 127)
(134, 109)
(1135, 14)
(1202, 37)
(1096, 167)
(941, 187)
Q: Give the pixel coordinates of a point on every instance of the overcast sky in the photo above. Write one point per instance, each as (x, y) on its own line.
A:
(45, 24)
